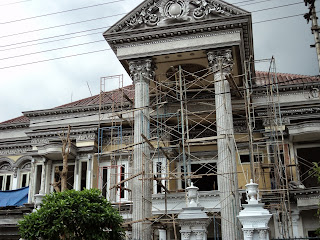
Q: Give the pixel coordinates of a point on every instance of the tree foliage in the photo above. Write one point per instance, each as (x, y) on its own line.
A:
(73, 215)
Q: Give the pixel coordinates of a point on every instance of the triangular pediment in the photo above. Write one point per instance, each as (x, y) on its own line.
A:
(153, 13)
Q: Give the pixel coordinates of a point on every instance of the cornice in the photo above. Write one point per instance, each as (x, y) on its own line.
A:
(243, 22)
(14, 125)
(288, 87)
(56, 132)
(172, 39)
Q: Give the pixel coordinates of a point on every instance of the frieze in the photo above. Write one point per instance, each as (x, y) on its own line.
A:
(168, 40)
(15, 151)
(90, 136)
(60, 131)
(36, 141)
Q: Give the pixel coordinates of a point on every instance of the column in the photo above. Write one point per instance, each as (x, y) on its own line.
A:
(15, 183)
(43, 178)
(141, 72)
(221, 63)
(32, 182)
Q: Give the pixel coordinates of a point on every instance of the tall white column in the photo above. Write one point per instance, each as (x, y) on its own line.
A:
(141, 72)
(221, 62)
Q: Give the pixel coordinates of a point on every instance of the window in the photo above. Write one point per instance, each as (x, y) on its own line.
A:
(70, 177)
(25, 175)
(159, 172)
(6, 176)
(203, 176)
(83, 176)
(110, 176)
(6, 182)
(122, 174)
(24, 180)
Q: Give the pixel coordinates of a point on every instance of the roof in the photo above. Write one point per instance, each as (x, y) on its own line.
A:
(17, 120)
(262, 78)
(107, 98)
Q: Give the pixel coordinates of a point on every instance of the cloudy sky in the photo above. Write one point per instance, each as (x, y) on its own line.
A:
(27, 37)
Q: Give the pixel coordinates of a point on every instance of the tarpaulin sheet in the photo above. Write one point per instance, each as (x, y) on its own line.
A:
(14, 197)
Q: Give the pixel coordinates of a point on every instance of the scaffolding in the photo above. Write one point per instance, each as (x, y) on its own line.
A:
(183, 139)
(272, 146)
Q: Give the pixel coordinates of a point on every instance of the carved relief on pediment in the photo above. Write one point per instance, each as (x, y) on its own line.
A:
(167, 12)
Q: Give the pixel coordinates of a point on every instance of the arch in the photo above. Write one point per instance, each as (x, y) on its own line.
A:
(5, 160)
(22, 161)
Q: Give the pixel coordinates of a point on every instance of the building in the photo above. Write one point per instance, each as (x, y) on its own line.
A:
(197, 112)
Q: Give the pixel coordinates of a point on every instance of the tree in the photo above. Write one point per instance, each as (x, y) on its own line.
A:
(63, 175)
(81, 215)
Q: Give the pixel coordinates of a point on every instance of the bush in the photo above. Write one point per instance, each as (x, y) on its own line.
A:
(73, 215)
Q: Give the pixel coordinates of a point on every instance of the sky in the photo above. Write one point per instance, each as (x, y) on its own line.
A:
(26, 37)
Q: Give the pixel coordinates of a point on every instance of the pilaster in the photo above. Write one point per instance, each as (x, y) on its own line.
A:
(142, 71)
(221, 62)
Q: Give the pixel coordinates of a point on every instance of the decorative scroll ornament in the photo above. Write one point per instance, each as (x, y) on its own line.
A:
(141, 70)
(205, 7)
(175, 9)
(220, 59)
(146, 16)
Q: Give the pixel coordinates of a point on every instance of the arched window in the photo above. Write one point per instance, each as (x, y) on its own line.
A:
(24, 178)
(6, 176)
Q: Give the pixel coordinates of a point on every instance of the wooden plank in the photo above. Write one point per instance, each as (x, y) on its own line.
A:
(161, 185)
(126, 97)
(127, 179)
(206, 139)
(122, 148)
(147, 141)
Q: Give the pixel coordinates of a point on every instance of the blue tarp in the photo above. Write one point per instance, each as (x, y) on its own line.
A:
(14, 197)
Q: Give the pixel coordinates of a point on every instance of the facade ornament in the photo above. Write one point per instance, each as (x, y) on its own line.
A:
(185, 235)
(205, 7)
(220, 58)
(6, 167)
(141, 70)
(15, 172)
(248, 234)
(192, 195)
(199, 235)
(254, 218)
(155, 13)
(88, 136)
(175, 9)
(263, 234)
(39, 141)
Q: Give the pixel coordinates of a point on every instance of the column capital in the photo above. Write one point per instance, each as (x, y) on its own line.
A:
(141, 70)
(263, 234)
(185, 235)
(248, 233)
(220, 58)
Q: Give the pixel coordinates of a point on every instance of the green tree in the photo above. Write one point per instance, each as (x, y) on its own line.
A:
(81, 215)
